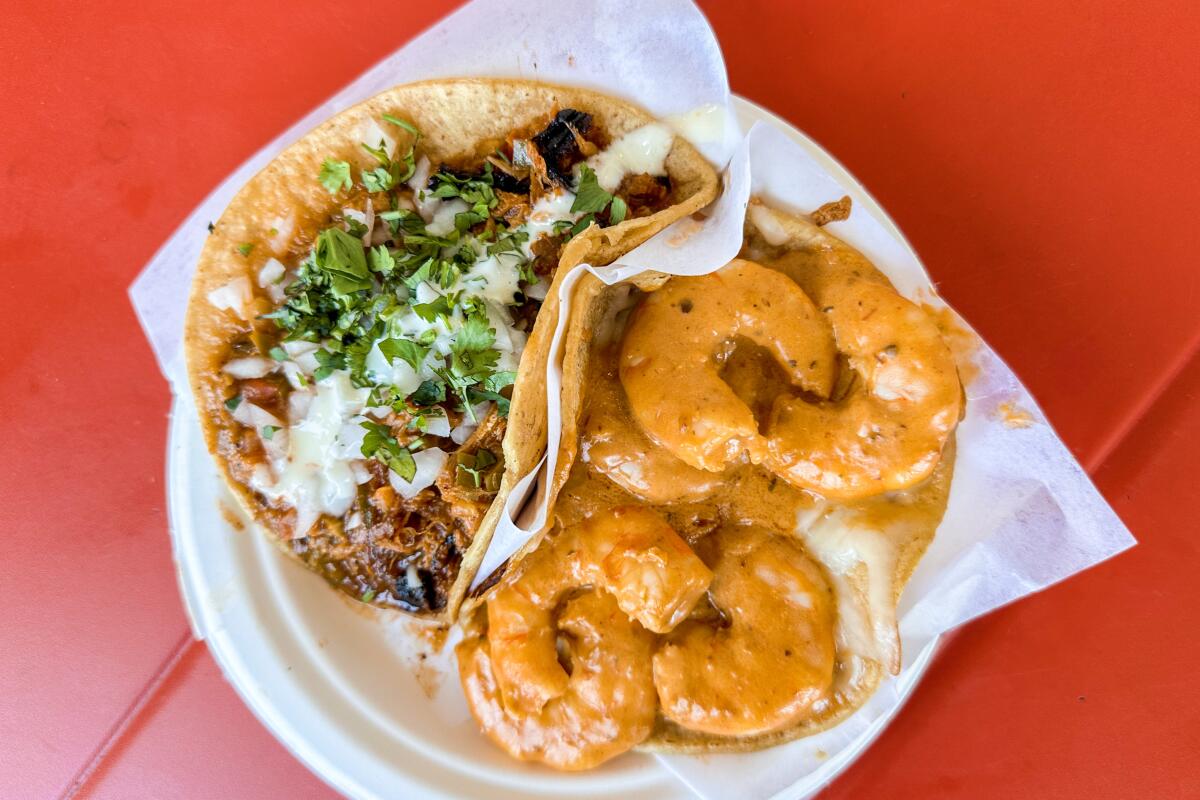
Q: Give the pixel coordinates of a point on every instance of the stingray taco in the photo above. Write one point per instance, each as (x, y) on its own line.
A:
(366, 331)
(754, 461)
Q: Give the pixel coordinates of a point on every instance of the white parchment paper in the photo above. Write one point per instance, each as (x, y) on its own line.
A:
(1022, 513)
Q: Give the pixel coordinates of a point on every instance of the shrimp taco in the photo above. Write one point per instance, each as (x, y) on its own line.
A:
(367, 326)
(754, 461)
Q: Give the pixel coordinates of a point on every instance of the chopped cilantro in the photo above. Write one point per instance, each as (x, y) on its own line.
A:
(341, 257)
(499, 380)
(475, 335)
(367, 596)
(580, 226)
(328, 362)
(432, 310)
(590, 198)
(617, 211)
(245, 248)
(405, 124)
(379, 153)
(429, 393)
(380, 444)
(382, 261)
(379, 179)
(411, 352)
(268, 432)
(233, 402)
(335, 175)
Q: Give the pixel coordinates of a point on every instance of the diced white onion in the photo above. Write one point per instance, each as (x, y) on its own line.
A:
(348, 445)
(276, 447)
(234, 296)
(271, 273)
(538, 291)
(442, 221)
(282, 237)
(251, 367)
(372, 134)
(429, 464)
(464, 429)
(361, 473)
(419, 180)
(254, 416)
(437, 424)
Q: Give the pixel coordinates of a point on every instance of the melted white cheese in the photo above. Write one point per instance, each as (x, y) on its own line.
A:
(548, 210)
(643, 150)
(861, 562)
(315, 477)
(702, 125)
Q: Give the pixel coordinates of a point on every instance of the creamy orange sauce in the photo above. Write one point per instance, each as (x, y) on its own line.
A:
(963, 343)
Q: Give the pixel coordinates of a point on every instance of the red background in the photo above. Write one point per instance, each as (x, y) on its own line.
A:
(1044, 160)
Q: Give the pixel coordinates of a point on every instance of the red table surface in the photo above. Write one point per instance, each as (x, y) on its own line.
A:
(1043, 159)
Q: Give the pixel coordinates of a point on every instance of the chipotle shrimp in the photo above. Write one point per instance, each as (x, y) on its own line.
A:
(605, 707)
(773, 658)
(904, 397)
(678, 338)
(643, 577)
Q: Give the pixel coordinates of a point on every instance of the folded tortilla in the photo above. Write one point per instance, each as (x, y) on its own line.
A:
(867, 568)
(279, 211)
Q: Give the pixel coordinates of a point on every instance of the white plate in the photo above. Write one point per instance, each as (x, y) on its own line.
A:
(360, 696)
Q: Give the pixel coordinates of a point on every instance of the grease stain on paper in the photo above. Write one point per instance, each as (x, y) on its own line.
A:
(1013, 416)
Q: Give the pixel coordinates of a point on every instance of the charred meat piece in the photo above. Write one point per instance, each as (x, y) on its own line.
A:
(545, 253)
(416, 590)
(510, 183)
(559, 146)
(512, 208)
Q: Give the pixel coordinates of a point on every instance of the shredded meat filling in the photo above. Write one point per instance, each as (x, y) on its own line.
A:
(645, 194)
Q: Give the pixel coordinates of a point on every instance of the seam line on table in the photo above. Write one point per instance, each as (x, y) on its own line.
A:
(130, 715)
(1144, 406)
